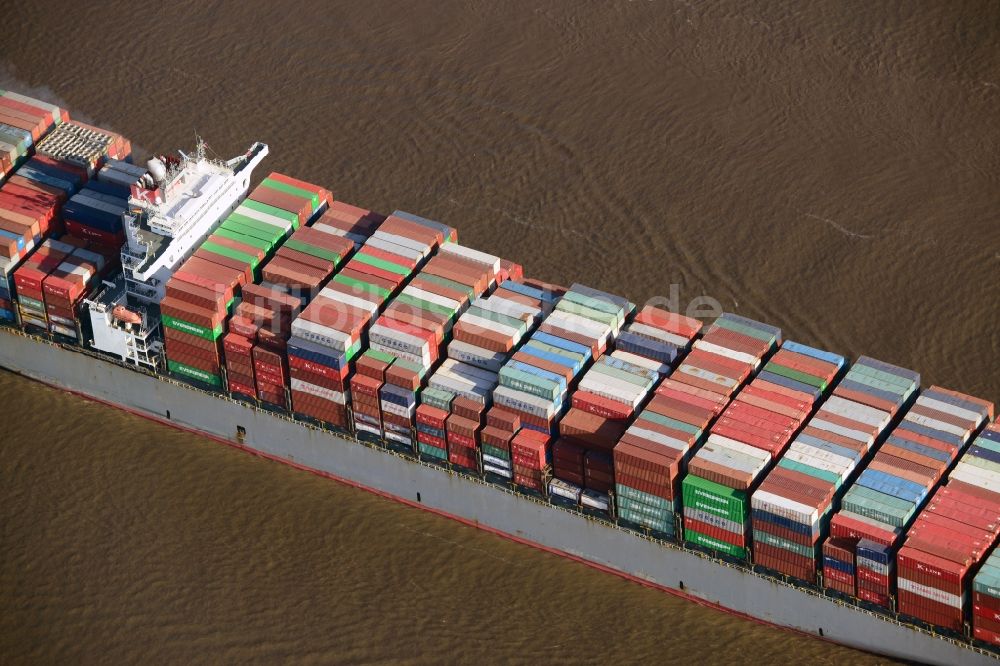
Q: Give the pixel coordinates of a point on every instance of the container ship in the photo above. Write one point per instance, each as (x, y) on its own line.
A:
(721, 462)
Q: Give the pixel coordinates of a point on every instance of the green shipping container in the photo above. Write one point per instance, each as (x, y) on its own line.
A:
(873, 504)
(635, 495)
(432, 451)
(495, 452)
(363, 288)
(193, 329)
(650, 415)
(243, 257)
(798, 376)
(523, 381)
(623, 375)
(596, 304)
(829, 477)
(294, 191)
(714, 498)
(291, 218)
(195, 373)
(746, 330)
(435, 397)
(246, 239)
(715, 544)
(381, 263)
(249, 225)
(589, 313)
(450, 284)
(312, 250)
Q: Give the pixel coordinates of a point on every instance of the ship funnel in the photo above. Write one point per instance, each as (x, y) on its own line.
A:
(158, 169)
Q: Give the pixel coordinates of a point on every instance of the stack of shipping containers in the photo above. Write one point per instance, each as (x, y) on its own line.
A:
(606, 399)
(23, 122)
(330, 331)
(460, 390)
(859, 555)
(454, 411)
(24, 219)
(982, 487)
(317, 379)
(31, 209)
(291, 272)
(411, 335)
(202, 292)
(534, 385)
(654, 450)
(829, 448)
(749, 435)
(950, 537)
(95, 212)
(53, 280)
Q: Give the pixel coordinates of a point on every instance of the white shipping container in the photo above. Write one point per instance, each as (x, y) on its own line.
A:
(928, 422)
(401, 243)
(642, 361)
(948, 408)
(500, 471)
(475, 256)
(464, 370)
(975, 476)
(818, 422)
(525, 402)
(725, 457)
(476, 356)
(803, 453)
(357, 239)
(451, 304)
(782, 506)
(596, 384)
(659, 438)
(932, 593)
(856, 411)
(510, 308)
(740, 447)
(321, 335)
(261, 216)
(469, 319)
(413, 250)
(396, 339)
(742, 357)
(318, 391)
(576, 324)
(354, 301)
(654, 333)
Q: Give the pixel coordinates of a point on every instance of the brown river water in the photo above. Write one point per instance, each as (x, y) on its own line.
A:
(831, 168)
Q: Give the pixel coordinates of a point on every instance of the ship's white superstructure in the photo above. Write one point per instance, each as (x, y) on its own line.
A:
(170, 216)
(171, 211)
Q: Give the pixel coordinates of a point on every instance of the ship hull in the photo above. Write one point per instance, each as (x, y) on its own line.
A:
(732, 589)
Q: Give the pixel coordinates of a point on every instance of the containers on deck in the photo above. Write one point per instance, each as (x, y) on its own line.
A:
(886, 496)
(52, 281)
(95, 211)
(656, 447)
(950, 537)
(23, 122)
(414, 328)
(83, 146)
(606, 398)
(329, 333)
(482, 340)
